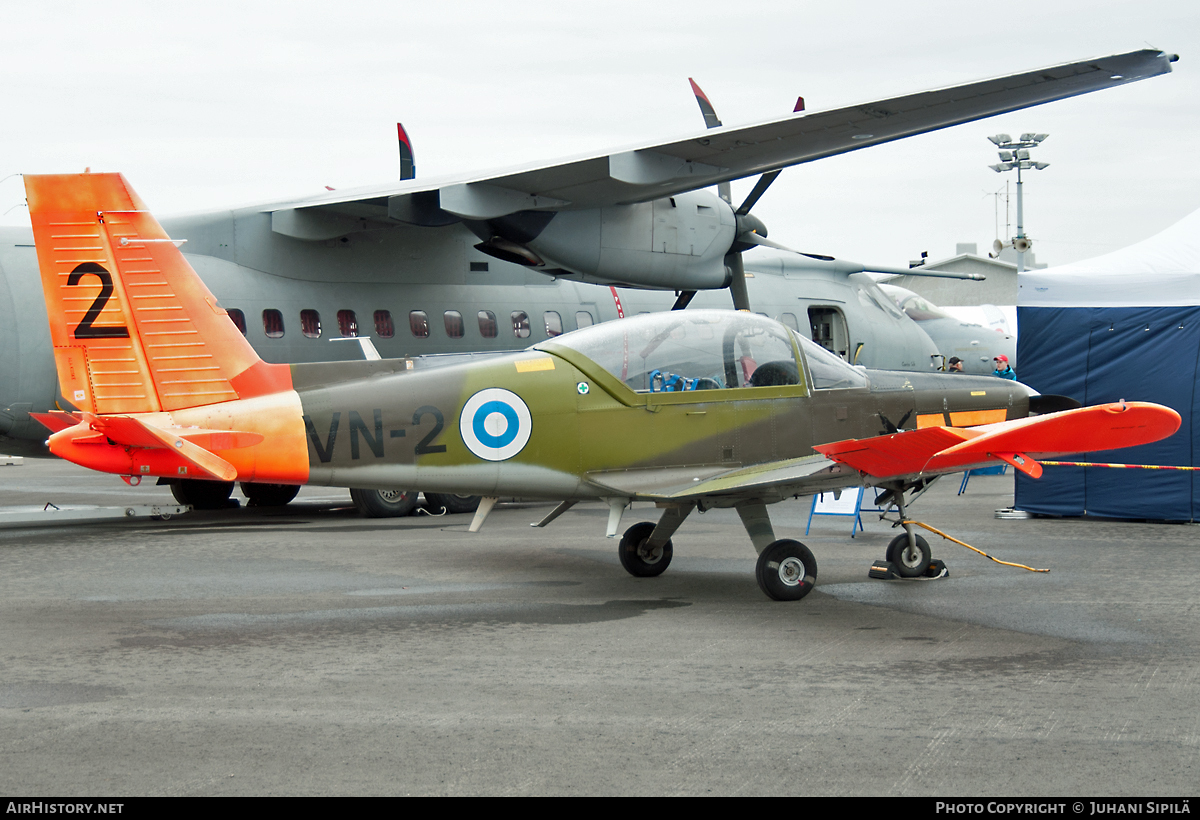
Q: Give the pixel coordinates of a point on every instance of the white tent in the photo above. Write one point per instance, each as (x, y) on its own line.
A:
(1162, 270)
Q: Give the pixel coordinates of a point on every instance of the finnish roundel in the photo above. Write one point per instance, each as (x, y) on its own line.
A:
(495, 424)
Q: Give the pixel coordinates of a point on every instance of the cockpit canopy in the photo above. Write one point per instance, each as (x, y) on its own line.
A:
(692, 350)
(914, 305)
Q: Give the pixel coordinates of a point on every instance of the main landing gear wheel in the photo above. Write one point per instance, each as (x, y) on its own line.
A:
(269, 495)
(786, 570)
(639, 559)
(909, 563)
(384, 503)
(203, 495)
(453, 503)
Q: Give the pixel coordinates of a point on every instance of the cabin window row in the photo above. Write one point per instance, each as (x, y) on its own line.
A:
(418, 323)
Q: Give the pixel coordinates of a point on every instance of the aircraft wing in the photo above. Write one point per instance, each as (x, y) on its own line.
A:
(908, 454)
(780, 478)
(643, 173)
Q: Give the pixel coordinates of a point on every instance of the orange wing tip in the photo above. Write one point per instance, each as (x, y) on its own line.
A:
(1100, 427)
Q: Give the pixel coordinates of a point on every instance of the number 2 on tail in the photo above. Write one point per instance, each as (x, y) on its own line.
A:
(86, 329)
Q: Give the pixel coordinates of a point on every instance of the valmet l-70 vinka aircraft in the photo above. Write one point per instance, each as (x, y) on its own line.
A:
(690, 409)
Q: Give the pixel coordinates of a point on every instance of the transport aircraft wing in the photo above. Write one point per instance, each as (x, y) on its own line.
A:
(654, 171)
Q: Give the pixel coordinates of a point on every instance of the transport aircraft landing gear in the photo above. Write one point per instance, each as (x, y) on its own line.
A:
(384, 503)
(454, 504)
(203, 495)
(786, 570)
(269, 495)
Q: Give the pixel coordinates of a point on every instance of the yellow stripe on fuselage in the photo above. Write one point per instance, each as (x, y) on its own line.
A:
(534, 365)
(964, 418)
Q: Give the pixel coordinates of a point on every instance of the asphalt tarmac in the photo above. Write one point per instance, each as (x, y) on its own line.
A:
(307, 650)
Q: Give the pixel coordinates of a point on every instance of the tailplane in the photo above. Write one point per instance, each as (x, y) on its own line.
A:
(133, 327)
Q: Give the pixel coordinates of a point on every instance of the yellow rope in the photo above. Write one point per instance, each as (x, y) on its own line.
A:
(1120, 466)
(968, 546)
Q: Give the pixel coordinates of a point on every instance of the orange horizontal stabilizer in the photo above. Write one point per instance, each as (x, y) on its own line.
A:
(222, 439)
(195, 455)
(134, 432)
(55, 420)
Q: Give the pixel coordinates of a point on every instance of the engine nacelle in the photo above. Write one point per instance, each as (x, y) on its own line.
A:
(669, 244)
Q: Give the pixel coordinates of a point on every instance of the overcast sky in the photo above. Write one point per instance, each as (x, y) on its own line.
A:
(217, 104)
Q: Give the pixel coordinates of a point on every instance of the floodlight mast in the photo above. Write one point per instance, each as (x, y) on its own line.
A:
(1015, 154)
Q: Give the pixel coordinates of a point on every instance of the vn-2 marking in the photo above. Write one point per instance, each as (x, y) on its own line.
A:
(373, 438)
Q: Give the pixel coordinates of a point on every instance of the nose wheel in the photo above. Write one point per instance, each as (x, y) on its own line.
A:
(910, 561)
(909, 553)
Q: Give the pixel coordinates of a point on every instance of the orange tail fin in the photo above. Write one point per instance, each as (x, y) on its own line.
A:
(133, 327)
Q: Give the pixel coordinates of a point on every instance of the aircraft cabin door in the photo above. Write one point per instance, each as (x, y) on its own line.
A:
(829, 329)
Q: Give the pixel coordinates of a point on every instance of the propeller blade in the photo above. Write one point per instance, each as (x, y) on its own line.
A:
(706, 108)
(752, 238)
(760, 187)
(711, 120)
(737, 284)
(683, 299)
(842, 266)
(408, 163)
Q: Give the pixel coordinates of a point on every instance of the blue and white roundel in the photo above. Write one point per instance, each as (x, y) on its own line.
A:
(495, 424)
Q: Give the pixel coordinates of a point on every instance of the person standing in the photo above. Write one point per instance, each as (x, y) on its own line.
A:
(1003, 369)
(955, 365)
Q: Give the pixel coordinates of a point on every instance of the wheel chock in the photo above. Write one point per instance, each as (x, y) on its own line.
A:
(883, 570)
(886, 570)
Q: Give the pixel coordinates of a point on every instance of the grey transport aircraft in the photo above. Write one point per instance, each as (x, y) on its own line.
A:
(497, 261)
(971, 342)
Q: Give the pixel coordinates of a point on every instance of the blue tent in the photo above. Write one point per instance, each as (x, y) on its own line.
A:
(1122, 326)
